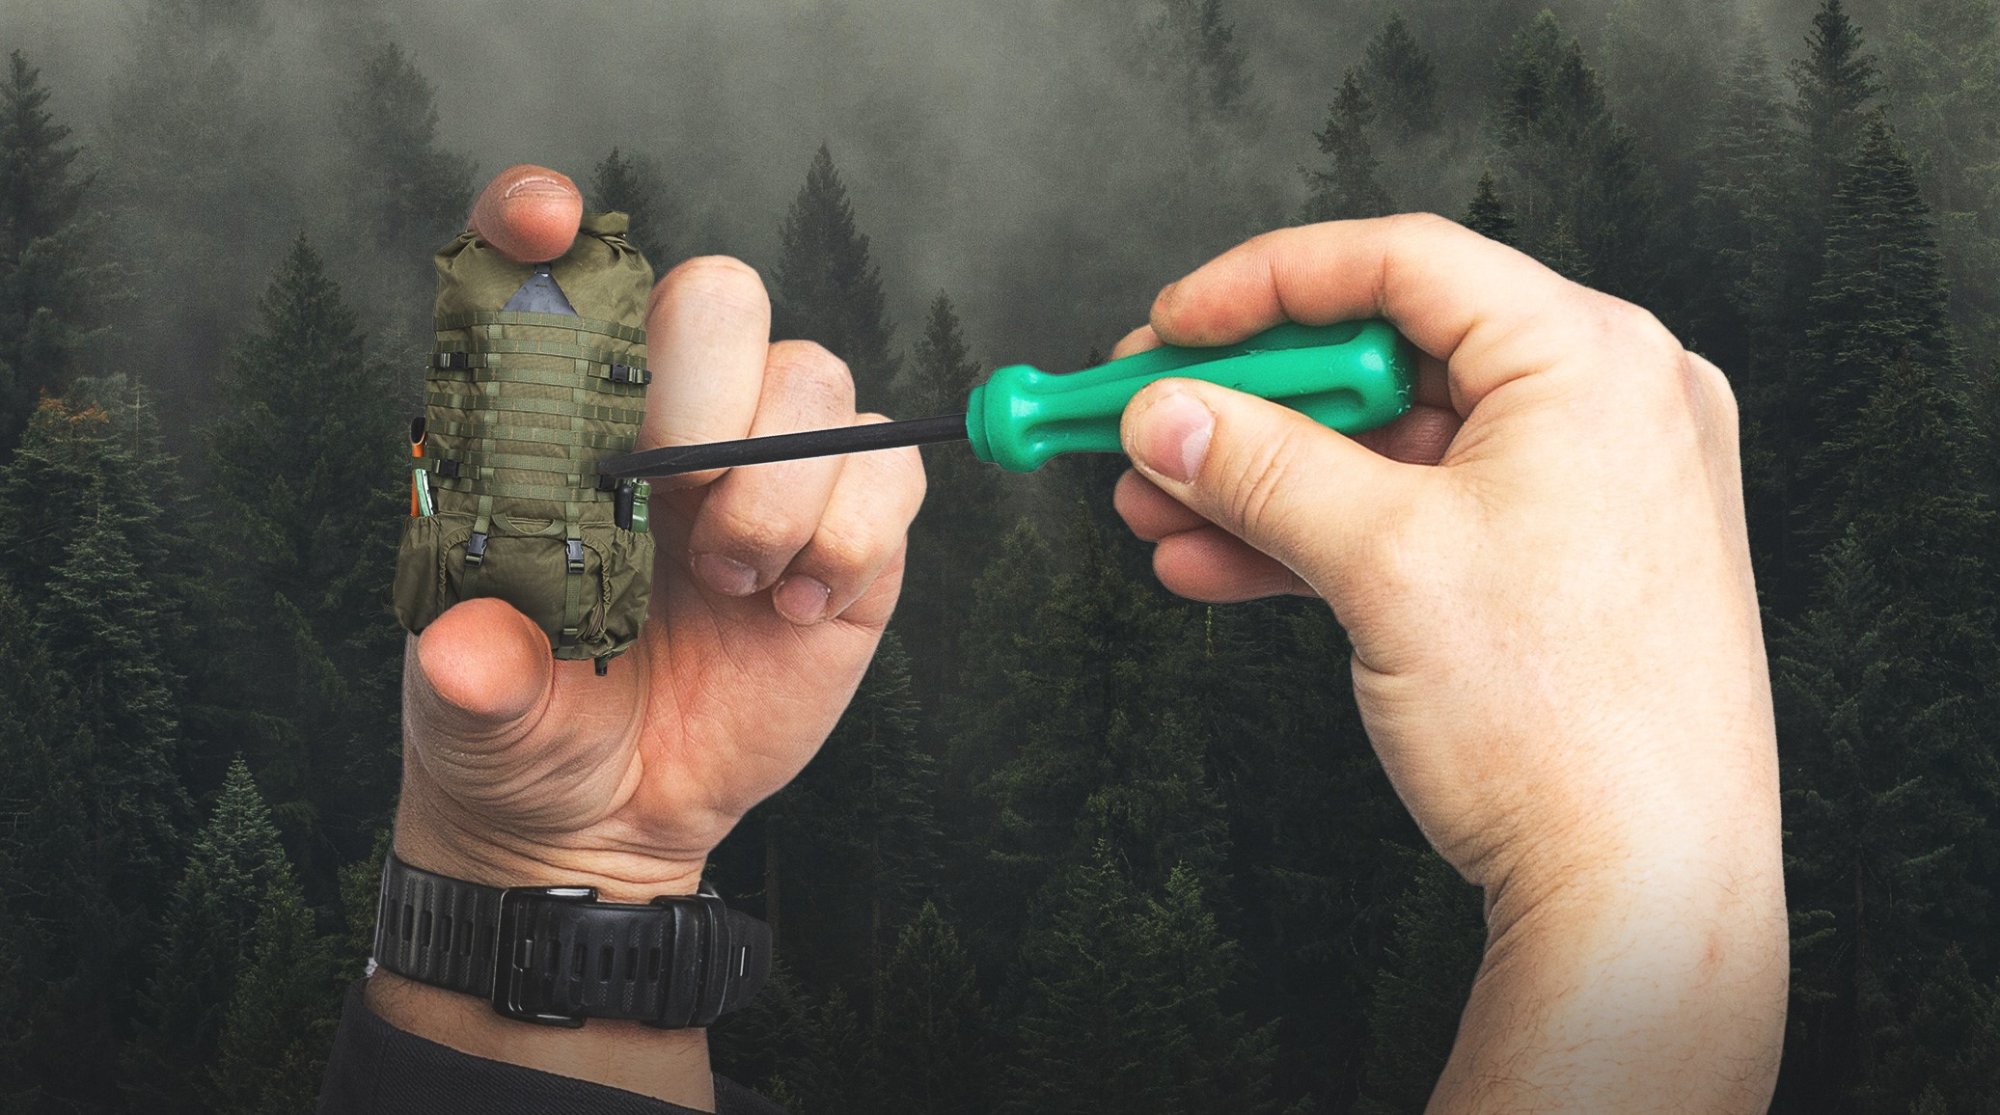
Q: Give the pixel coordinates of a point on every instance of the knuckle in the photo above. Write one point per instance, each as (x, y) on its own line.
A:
(1252, 498)
(844, 552)
(808, 373)
(760, 530)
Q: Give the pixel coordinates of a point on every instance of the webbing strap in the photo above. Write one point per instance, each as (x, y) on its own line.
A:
(510, 405)
(573, 584)
(488, 489)
(628, 383)
(449, 322)
(541, 435)
(504, 346)
(564, 466)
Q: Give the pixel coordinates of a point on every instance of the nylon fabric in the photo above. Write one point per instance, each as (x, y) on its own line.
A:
(526, 410)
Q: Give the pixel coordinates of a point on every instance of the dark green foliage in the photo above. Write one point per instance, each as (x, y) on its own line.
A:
(1124, 1004)
(1421, 991)
(1879, 300)
(934, 1036)
(280, 1022)
(205, 938)
(1835, 81)
(1564, 157)
(634, 185)
(1487, 215)
(49, 287)
(857, 831)
(1404, 80)
(1228, 909)
(414, 194)
(304, 471)
(952, 539)
(826, 289)
(1347, 188)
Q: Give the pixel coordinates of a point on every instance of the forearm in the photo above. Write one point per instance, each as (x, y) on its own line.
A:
(1644, 982)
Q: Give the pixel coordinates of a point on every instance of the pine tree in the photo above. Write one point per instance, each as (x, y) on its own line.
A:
(934, 1037)
(1347, 188)
(1937, 65)
(1563, 155)
(413, 193)
(857, 831)
(1563, 254)
(303, 460)
(825, 287)
(1404, 78)
(1487, 215)
(1835, 82)
(953, 537)
(1879, 299)
(1204, 198)
(1421, 991)
(186, 128)
(633, 185)
(49, 291)
(1124, 1008)
(282, 1013)
(205, 941)
(64, 933)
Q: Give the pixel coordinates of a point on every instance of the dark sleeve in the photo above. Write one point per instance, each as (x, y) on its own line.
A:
(377, 1069)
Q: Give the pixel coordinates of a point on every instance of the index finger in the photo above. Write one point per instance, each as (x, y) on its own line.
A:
(708, 332)
(1461, 298)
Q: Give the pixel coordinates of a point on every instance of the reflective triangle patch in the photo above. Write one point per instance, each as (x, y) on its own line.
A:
(540, 295)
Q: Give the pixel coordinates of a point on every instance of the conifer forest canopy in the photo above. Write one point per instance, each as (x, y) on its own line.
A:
(1078, 846)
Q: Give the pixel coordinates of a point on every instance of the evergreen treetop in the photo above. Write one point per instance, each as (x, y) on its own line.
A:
(827, 289)
(1487, 215)
(633, 185)
(1834, 82)
(1348, 188)
(1404, 78)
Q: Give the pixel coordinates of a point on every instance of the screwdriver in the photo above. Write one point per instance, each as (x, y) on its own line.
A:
(1351, 377)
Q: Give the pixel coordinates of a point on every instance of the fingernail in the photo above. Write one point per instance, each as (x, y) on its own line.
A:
(725, 575)
(1174, 431)
(801, 600)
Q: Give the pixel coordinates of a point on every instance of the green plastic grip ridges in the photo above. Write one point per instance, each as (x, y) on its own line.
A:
(1350, 377)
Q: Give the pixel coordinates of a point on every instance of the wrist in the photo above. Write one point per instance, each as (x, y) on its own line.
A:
(439, 836)
(1652, 977)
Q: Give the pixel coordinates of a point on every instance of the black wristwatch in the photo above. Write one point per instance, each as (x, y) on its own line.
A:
(557, 956)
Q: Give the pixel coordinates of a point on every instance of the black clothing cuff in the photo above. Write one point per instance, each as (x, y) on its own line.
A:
(377, 1069)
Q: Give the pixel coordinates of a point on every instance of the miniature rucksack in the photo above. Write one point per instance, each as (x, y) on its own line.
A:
(540, 371)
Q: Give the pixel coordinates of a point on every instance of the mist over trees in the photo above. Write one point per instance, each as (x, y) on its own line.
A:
(1077, 845)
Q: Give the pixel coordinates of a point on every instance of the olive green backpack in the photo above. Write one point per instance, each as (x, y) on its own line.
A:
(539, 372)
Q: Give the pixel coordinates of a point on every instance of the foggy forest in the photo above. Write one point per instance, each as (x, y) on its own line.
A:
(1078, 845)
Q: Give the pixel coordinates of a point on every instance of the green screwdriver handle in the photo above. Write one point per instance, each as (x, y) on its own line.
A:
(1350, 377)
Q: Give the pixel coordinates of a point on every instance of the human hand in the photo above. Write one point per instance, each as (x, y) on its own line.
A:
(1544, 572)
(772, 590)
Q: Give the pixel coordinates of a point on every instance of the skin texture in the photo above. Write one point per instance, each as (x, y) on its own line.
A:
(773, 587)
(1543, 570)
(1557, 655)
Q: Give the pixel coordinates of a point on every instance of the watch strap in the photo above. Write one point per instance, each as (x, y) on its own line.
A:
(557, 956)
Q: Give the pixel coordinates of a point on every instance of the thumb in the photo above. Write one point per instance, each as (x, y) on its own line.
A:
(1294, 489)
(476, 675)
(529, 213)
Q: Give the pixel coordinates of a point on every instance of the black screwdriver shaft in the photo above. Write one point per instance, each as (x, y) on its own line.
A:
(674, 460)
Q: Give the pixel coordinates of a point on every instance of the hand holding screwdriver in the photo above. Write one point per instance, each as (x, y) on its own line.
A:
(1544, 573)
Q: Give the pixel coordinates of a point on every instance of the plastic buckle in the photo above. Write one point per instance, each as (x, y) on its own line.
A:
(454, 360)
(475, 548)
(514, 952)
(621, 373)
(573, 550)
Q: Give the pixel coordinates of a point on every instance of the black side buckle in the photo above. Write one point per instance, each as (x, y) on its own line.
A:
(454, 360)
(514, 952)
(620, 373)
(475, 548)
(573, 549)
(447, 468)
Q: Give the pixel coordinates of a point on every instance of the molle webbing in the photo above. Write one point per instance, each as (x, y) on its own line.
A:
(520, 407)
